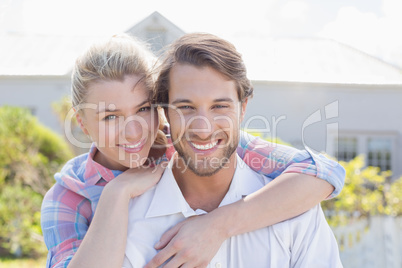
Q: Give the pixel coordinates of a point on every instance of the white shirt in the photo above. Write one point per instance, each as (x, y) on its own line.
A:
(303, 241)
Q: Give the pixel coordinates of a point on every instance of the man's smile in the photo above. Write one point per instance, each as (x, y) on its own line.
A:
(204, 146)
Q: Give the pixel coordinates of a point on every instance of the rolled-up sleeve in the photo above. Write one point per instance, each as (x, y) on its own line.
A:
(64, 221)
(272, 160)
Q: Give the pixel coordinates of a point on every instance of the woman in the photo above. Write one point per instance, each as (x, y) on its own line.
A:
(111, 87)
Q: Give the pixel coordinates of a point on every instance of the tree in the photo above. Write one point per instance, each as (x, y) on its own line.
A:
(30, 155)
(63, 110)
(368, 191)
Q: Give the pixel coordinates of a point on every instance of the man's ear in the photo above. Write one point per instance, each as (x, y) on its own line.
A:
(81, 123)
(243, 109)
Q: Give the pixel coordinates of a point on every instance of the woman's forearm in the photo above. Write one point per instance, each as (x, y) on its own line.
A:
(287, 196)
(105, 242)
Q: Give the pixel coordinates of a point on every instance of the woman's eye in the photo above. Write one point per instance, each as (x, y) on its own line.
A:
(110, 117)
(145, 109)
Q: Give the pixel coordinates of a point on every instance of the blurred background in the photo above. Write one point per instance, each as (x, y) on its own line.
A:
(327, 75)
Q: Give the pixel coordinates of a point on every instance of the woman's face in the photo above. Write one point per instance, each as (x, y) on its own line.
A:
(120, 121)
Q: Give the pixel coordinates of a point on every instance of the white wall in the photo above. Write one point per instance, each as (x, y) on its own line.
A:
(358, 109)
(35, 93)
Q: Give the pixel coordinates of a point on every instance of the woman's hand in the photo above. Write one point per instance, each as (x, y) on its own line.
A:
(136, 181)
(191, 243)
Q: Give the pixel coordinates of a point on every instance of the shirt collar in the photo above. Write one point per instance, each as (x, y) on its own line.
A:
(168, 198)
(95, 171)
(245, 181)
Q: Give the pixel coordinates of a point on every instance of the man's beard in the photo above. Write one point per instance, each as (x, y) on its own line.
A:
(207, 166)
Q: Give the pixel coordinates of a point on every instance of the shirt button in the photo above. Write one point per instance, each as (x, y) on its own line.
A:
(218, 265)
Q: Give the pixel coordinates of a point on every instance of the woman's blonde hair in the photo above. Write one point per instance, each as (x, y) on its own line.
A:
(113, 59)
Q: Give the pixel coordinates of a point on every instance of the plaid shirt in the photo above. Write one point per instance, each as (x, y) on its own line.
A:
(69, 206)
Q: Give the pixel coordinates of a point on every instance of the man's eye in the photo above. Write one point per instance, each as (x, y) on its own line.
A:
(110, 117)
(184, 107)
(221, 106)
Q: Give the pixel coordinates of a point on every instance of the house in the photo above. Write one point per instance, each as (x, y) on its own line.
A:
(327, 96)
(309, 92)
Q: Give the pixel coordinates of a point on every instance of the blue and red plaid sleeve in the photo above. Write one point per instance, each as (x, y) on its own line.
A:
(271, 160)
(64, 219)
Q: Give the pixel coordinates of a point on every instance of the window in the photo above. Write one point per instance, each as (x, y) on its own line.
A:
(379, 152)
(347, 148)
(377, 148)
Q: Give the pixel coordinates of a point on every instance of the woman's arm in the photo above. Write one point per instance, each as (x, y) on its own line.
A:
(287, 196)
(103, 242)
(294, 190)
(271, 160)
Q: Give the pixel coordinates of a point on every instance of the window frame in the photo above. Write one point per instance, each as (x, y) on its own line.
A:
(363, 141)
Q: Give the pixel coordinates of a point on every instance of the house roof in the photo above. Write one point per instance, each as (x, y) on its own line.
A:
(313, 60)
(155, 22)
(54, 55)
(268, 59)
(157, 31)
(37, 55)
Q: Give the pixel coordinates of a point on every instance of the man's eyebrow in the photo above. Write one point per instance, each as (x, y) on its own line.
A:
(223, 100)
(181, 100)
(189, 101)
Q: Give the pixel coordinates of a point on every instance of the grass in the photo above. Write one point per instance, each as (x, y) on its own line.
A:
(6, 262)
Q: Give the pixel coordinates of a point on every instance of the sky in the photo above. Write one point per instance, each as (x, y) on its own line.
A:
(372, 26)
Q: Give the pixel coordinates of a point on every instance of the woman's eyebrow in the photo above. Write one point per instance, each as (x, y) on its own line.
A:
(107, 110)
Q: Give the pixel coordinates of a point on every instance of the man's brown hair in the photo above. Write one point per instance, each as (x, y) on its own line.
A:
(202, 49)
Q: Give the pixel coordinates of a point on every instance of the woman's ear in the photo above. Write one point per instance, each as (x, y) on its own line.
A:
(81, 123)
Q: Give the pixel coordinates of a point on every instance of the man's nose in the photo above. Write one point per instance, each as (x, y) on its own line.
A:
(202, 126)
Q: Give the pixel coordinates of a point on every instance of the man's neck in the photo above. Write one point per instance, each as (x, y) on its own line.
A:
(204, 192)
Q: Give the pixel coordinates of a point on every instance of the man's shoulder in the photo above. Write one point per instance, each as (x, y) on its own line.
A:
(304, 220)
(295, 230)
(246, 177)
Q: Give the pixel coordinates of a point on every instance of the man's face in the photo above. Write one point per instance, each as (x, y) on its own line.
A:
(204, 114)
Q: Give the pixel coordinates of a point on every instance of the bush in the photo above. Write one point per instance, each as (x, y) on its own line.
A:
(30, 154)
(367, 192)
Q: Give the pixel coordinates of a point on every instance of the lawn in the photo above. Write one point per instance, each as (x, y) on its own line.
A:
(22, 263)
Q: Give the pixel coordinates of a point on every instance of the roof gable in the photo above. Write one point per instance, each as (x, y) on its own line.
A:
(157, 31)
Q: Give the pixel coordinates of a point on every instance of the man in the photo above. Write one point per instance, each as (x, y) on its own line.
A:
(204, 82)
